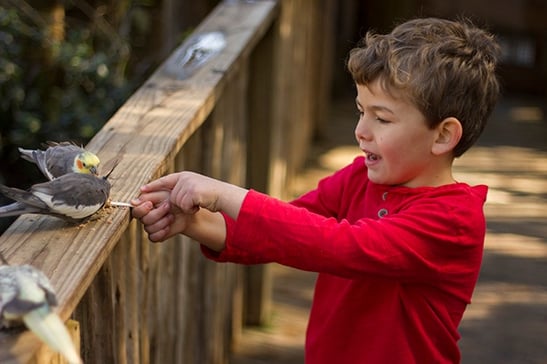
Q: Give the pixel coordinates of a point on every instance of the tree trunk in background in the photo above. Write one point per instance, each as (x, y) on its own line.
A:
(52, 14)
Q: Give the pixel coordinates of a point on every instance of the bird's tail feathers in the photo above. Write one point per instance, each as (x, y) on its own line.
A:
(16, 209)
(13, 193)
(26, 202)
(25, 197)
(26, 154)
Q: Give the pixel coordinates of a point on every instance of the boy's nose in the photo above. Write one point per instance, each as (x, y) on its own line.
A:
(362, 132)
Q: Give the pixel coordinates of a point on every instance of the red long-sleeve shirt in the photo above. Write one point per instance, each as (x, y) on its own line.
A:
(397, 265)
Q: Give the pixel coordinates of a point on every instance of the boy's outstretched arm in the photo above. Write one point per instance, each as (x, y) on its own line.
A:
(188, 203)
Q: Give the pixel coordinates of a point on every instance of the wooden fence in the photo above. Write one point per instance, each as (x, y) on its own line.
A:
(247, 117)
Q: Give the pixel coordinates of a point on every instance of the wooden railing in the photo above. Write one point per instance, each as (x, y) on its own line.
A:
(246, 116)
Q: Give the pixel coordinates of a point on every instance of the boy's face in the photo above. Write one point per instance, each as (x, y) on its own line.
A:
(397, 141)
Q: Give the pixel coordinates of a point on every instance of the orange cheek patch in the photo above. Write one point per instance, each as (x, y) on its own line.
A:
(79, 164)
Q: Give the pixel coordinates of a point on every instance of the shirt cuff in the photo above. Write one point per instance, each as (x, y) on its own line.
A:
(240, 242)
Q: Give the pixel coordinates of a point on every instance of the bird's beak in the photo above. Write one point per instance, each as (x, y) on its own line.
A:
(93, 170)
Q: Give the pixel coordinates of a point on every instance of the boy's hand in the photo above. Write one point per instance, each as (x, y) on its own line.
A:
(159, 218)
(170, 205)
(192, 191)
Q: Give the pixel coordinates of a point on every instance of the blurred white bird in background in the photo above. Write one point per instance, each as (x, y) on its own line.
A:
(26, 296)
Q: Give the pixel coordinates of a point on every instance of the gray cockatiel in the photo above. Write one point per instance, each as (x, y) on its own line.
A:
(27, 295)
(73, 197)
(62, 158)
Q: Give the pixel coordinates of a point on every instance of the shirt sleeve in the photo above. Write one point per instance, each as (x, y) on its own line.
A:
(427, 241)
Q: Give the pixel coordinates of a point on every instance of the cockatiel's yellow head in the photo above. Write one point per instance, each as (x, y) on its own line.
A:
(86, 162)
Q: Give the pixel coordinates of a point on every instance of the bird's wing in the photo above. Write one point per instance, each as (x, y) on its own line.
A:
(8, 287)
(39, 158)
(59, 159)
(42, 281)
(73, 195)
(77, 188)
(26, 288)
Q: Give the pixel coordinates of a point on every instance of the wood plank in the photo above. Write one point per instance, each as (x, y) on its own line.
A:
(188, 298)
(145, 134)
(97, 328)
(291, 70)
(143, 299)
(256, 279)
(190, 292)
(133, 288)
(226, 147)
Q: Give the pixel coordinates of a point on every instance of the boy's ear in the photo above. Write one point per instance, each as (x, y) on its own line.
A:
(449, 133)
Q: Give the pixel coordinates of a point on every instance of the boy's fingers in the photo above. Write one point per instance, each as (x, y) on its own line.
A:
(161, 184)
(155, 198)
(141, 209)
(155, 214)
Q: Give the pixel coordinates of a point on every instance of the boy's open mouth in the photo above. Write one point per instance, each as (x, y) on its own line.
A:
(371, 156)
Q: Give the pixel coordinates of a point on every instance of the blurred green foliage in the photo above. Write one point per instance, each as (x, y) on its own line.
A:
(68, 96)
(55, 89)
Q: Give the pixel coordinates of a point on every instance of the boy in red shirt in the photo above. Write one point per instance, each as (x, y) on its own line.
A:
(396, 240)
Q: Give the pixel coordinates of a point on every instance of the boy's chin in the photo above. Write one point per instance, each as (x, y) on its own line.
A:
(382, 180)
(377, 179)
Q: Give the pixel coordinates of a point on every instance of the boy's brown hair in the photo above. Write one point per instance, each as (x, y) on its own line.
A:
(446, 68)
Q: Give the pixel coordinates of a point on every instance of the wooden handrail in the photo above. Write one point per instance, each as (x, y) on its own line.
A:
(145, 136)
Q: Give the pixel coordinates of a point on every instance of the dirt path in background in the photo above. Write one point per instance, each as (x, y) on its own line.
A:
(507, 320)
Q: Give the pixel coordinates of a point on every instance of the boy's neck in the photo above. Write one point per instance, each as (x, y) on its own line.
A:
(439, 174)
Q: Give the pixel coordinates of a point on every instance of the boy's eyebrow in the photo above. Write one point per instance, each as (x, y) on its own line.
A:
(375, 107)
(382, 108)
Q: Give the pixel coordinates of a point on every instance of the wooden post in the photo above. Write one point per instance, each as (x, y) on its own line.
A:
(288, 103)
